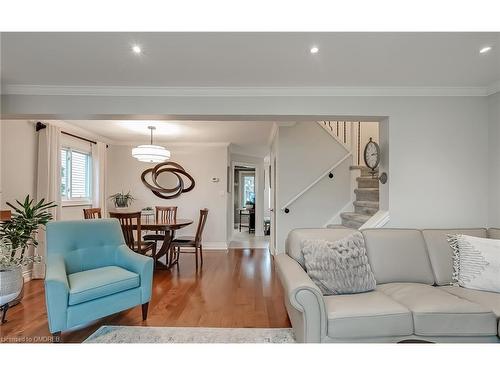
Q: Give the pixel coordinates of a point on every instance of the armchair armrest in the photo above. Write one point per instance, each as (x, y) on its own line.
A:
(303, 300)
(56, 293)
(140, 264)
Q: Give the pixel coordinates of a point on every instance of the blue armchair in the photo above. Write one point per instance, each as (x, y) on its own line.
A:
(91, 273)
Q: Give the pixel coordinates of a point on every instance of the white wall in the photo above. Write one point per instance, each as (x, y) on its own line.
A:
(438, 162)
(305, 151)
(19, 146)
(494, 159)
(19, 149)
(202, 163)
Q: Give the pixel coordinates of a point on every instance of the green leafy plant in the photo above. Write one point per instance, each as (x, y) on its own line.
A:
(17, 234)
(121, 199)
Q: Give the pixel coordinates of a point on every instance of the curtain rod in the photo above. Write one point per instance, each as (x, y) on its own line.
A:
(40, 126)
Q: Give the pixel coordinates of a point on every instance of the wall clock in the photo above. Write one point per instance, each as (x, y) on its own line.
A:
(372, 155)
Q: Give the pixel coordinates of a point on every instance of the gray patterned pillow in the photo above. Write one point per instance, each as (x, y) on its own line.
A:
(339, 267)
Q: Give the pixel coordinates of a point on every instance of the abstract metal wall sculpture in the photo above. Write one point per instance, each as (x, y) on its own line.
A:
(165, 192)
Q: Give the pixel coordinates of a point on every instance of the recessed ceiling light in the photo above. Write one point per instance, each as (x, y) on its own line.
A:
(485, 49)
(314, 50)
(136, 49)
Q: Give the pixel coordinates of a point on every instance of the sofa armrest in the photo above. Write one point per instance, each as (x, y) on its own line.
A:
(140, 264)
(303, 300)
(56, 293)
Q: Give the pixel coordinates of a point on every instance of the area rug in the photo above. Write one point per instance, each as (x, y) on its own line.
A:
(181, 335)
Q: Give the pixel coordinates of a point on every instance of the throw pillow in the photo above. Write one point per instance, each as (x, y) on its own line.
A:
(339, 267)
(476, 262)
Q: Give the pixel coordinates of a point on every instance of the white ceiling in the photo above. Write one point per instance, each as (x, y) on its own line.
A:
(248, 137)
(251, 59)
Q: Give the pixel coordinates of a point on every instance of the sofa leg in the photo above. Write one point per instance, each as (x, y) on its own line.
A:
(145, 310)
(56, 337)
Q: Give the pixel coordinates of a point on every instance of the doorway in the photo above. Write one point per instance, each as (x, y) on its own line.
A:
(246, 193)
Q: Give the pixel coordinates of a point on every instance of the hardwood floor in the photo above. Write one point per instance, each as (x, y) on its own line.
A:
(238, 288)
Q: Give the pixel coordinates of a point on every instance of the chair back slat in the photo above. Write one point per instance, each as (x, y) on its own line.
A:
(201, 225)
(166, 213)
(92, 213)
(127, 222)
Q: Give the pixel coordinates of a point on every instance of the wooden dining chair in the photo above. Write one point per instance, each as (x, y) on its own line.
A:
(127, 222)
(92, 213)
(165, 214)
(192, 242)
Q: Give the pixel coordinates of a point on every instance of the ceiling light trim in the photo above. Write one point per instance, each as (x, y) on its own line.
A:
(141, 91)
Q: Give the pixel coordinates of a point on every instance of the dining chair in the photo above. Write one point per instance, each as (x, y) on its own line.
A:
(163, 214)
(166, 213)
(192, 242)
(92, 213)
(128, 221)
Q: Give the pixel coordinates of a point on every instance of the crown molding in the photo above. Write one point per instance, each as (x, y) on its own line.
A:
(172, 145)
(494, 88)
(139, 91)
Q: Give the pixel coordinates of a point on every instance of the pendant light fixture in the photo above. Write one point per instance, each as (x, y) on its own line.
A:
(151, 153)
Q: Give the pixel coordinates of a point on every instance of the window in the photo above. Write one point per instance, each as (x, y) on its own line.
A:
(248, 190)
(76, 174)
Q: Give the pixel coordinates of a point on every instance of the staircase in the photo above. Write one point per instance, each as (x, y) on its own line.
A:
(367, 199)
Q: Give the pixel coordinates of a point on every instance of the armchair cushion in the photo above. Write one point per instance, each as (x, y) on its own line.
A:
(100, 282)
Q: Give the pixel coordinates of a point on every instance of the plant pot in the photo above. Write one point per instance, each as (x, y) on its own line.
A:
(11, 284)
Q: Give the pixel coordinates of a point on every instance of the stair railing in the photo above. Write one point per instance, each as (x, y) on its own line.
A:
(340, 131)
(327, 172)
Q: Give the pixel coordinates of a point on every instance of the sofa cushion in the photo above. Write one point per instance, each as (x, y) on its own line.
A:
(398, 255)
(494, 233)
(438, 313)
(489, 300)
(294, 240)
(100, 282)
(440, 252)
(366, 315)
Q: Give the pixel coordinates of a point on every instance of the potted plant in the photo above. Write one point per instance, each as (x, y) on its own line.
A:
(121, 200)
(16, 235)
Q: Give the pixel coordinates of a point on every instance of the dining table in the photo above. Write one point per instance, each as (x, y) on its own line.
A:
(168, 228)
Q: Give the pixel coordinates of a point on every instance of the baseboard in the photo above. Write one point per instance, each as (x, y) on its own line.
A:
(215, 245)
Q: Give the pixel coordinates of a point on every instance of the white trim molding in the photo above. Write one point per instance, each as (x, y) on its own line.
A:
(378, 220)
(215, 246)
(494, 88)
(60, 90)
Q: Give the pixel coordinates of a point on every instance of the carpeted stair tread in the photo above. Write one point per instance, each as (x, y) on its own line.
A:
(366, 207)
(367, 182)
(353, 220)
(370, 204)
(353, 216)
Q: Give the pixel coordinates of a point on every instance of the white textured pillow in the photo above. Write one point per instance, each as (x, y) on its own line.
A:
(476, 262)
(339, 267)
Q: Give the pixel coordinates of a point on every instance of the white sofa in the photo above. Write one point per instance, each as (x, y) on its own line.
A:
(414, 298)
